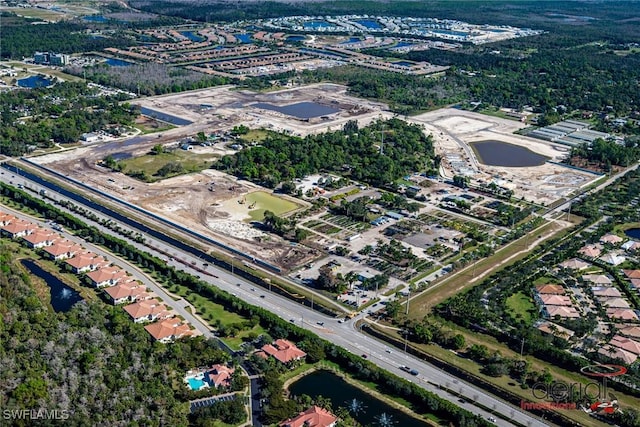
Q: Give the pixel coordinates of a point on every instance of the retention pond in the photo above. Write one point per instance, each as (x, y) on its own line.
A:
(498, 153)
(365, 408)
(62, 296)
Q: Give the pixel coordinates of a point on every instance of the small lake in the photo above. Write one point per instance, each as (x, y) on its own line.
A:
(174, 120)
(403, 44)
(352, 40)
(244, 38)
(497, 153)
(95, 18)
(404, 64)
(35, 81)
(112, 62)
(369, 23)
(634, 233)
(296, 38)
(192, 36)
(62, 296)
(301, 110)
(366, 409)
(316, 25)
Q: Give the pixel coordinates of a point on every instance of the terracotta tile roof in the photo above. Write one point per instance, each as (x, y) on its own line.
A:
(632, 274)
(575, 264)
(168, 329)
(562, 311)
(550, 289)
(220, 375)
(63, 247)
(629, 330)
(598, 279)
(614, 302)
(554, 329)
(284, 351)
(618, 353)
(86, 259)
(6, 218)
(109, 275)
(635, 283)
(147, 308)
(312, 417)
(622, 314)
(626, 344)
(18, 226)
(592, 251)
(548, 299)
(611, 238)
(605, 291)
(41, 235)
(126, 290)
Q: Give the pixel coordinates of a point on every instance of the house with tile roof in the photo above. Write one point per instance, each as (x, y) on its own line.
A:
(565, 312)
(635, 283)
(548, 299)
(86, 261)
(550, 289)
(611, 239)
(554, 329)
(219, 376)
(312, 417)
(614, 302)
(632, 274)
(168, 330)
(148, 311)
(6, 218)
(62, 249)
(591, 251)
(606, 291)
(40, 238)
(18, 228)
(617, 353)
(630, 330)
(575, 264)
(622, 314)
(106, 276)
(128, 292)
(627, 344)
(283, 351)
(631, 246)
(613, 259)
(597, 279)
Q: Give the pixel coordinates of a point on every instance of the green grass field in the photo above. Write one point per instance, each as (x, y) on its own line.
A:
(44, 14)
(151, 163)
(521, 306)
(268, 202)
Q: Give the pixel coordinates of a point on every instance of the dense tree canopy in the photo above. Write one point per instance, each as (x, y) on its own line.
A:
(280, 157)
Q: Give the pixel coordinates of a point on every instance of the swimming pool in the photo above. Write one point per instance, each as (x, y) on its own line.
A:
(196, 384)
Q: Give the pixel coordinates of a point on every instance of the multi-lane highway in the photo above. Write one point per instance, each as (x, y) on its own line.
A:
(343, 334)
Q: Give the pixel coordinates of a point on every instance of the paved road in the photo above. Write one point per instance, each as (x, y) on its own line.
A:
(342, 334)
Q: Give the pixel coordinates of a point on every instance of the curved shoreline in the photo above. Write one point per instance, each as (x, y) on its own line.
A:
(374, 393)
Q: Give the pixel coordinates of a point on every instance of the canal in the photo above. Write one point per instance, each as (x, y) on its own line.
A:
(498, 153)
(62, 296)
(365, 408)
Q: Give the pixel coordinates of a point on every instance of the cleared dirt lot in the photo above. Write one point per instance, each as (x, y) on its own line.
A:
(453, 130)
(212, 202)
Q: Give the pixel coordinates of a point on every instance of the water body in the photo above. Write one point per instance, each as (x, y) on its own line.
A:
(634, 233)
(352, 40)
(369, 23)
(96, 19)
(296, 38)
(192, 36)
(451, 33)
(404, 64)
(62, 296)
(35, 81)
(315, 25)
(174, 120)
(112, 62)
(244, 38)
(497, 153)
(367, 410)
(403, 44)
(300, 110)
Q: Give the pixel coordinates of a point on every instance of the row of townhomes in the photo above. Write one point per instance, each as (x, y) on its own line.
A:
(118, 285)
(598, 286)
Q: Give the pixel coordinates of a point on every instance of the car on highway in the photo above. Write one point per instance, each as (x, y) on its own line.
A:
(261, 296)
(364, 356)
(320, 323)
(253, 289)
(292, 320)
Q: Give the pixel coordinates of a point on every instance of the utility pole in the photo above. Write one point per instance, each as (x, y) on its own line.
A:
(408, 298)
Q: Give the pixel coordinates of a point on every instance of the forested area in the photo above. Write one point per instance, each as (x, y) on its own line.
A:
(18, 38)
(148, 78)
(92, 361)
(57, 114)
(352, 151)
(607, 153)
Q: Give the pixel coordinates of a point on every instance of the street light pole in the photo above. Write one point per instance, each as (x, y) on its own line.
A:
(408, 298)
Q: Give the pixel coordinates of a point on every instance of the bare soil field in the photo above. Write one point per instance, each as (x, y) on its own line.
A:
(211, 202)
(454, 130)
